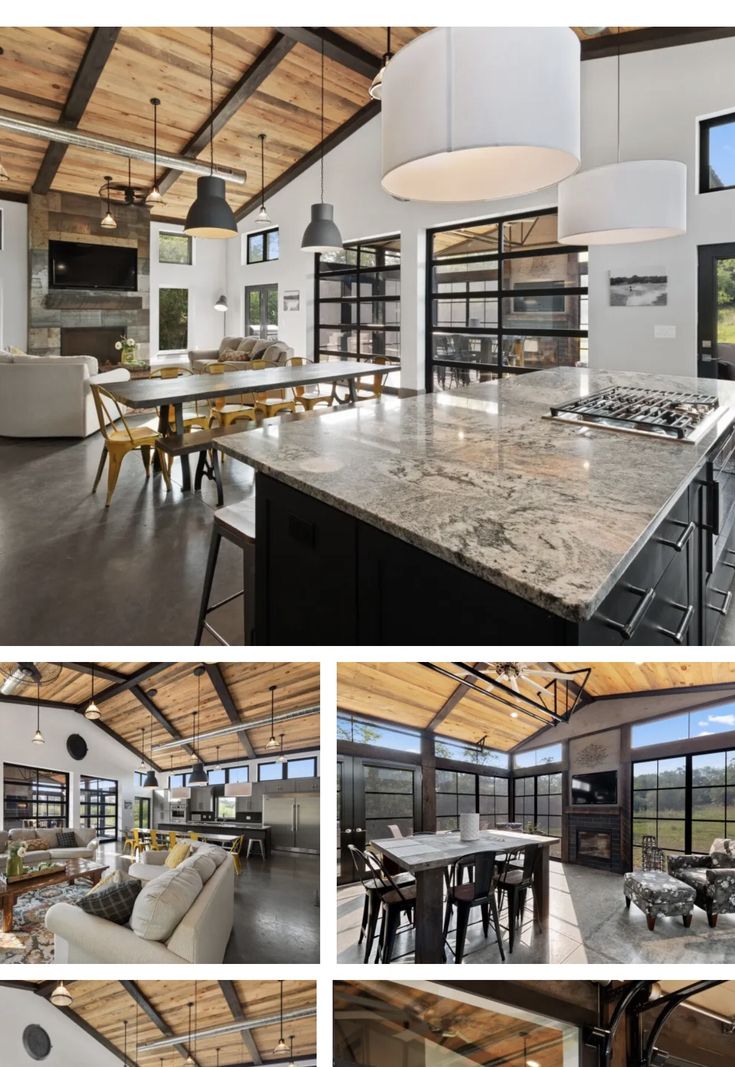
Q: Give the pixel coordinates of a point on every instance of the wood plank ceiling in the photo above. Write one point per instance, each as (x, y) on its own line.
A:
(104, 1005)
(244, 686)
(38, 66)
(412, 695)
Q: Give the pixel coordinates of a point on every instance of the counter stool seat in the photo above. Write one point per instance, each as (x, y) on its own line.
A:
(236, 524)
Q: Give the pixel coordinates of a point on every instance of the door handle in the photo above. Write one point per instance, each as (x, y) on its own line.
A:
(358, 829)
(347, 831)
(678, 636)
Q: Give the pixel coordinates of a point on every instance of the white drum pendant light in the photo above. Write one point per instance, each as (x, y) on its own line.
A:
(478, 113)
(623, 202)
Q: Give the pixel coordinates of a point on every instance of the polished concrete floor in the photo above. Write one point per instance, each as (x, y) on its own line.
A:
(588, 923)
(73, 572)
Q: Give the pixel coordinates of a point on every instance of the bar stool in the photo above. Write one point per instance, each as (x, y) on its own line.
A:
(255, 841)
(236, 524)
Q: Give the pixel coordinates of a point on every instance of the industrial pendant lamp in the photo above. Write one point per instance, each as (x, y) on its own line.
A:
(262, 218)
(125, 1042)
(92, 711)
(150, 781)
(61, 997)
(321, 235)
(220, 303)
(189, 1061)
(210, 215)
(38, 738)
(154, 198)
(281, 1047)
(108, 222)
(217, 764)
(291, 1061)
(376, 89)
(460, 123)
(198, 775)
(272, 743)
(623, 202)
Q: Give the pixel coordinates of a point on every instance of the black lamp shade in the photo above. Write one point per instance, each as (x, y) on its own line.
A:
(210, 215)
(150, 781)
(321, 235)
(198, 775)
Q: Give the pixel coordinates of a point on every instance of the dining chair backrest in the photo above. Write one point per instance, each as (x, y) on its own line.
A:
(359, 861)
(109, 413)
(485, 874)
(395, 830)
(214, 368)
(169, 372)
(379, 873)
(376, 385)
(298, 361)
(528, 857)
(172, 839)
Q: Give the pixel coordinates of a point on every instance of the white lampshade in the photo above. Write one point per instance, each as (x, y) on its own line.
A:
(621, 203)
(239, 789)
(477, 113)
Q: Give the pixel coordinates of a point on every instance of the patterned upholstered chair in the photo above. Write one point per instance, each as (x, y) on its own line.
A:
(713, 880)
(657, 893)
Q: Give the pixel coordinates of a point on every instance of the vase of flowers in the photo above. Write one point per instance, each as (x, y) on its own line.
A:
(16, 852)
(128, 347)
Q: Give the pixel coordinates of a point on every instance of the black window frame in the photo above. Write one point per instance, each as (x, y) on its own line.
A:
(360, 271)
(496, 369)
(141, 804)
(443, 818)
(266, 258)
(300, 759)
(705, 125)
(270, 763)
(86, 800)
(176, 262)
(34, 803)
(534, 773)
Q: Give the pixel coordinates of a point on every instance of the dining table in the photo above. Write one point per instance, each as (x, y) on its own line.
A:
(174, 393)
(427, 857)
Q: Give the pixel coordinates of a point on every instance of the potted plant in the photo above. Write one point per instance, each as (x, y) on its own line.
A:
(16, 852)
(128, 347)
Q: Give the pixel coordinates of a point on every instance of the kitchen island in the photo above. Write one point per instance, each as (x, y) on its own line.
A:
(468, 515)
(255, 831)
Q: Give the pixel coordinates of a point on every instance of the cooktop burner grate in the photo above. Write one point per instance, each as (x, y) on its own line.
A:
(658, 413)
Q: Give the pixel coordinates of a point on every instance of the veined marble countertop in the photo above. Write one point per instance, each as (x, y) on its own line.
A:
(549, 511)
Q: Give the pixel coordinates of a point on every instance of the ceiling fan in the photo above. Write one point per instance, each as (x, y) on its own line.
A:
(17, 676)
(512, 673)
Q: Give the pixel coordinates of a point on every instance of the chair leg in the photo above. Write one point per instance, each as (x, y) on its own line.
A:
(113, 471)
(463, 915)
(390, 922)
(363, 924)
(512, 919)
(145, 453)
(496, 924)
(447, 919)
(214, 544)
(372, 923)
(163, 459)
(485, 918)
(100, 468)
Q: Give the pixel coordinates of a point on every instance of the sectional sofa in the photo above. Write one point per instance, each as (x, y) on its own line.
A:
(85, 848)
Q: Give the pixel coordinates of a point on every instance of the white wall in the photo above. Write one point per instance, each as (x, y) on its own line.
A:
(19, 1008)
(205, 279)
(664, 92)
(105, 758)
(14, 275)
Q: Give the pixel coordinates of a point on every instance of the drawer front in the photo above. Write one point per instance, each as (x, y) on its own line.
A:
(671, 618)
(718, 593)
(671, 538)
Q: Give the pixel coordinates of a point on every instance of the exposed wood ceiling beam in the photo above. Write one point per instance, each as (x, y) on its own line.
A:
(252, 79)
(233, 1003)
(134, 991)
(579, 691)
(155, 711)
(451, 703)
(216, 677)
(101, 42)
(650, 37)
(336, 47)
(369, 111)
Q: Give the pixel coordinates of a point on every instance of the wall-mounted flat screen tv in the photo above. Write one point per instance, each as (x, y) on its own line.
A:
(598, 788)
(74, 265)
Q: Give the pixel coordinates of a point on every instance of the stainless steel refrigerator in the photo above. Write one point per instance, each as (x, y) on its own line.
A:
(294, 821)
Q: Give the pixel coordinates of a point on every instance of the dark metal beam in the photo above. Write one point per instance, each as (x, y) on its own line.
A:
(126, 684)
(101, 42)
(133, 990)
(155, 711)
(233, 1003)
(649, 38)
(99, 671)
(264, 65)
(31, 700)
(336, 47)
(221, 688)
(369, 111)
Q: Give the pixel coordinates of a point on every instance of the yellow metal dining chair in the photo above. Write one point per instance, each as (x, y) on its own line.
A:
(221, 412)
(172, 839)
(193, 836)
(120, 438)
(308, 396)
(368, 390)
(274, 401)
(235, 851)
(133, 840)
(192, 415)
(155, 843)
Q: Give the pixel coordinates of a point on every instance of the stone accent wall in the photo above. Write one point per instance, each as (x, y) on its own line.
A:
(69, 217)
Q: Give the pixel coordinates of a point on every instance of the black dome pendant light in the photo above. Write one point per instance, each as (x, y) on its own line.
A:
(322, 235)
(210, 215)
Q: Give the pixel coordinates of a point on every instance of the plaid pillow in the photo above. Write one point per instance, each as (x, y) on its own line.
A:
(67, 839)
(114, 902)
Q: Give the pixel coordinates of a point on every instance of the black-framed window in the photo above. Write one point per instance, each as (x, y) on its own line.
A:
(460, 791)
(537, 757)
(538, 802)
(270, 772)
(468, 752)
(371, 732)
(503, 297)
(717, 153)
(173, 319)
(389, 799)
(98, 806)
(142, 813)
(238, 774)
(139, 778)
(215, 776)
(262, 247)
(174, 248)
(32, 794)
(304, 767)
(357, 301)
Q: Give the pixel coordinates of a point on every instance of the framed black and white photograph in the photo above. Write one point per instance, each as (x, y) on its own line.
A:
(644, 288)
(292, 301)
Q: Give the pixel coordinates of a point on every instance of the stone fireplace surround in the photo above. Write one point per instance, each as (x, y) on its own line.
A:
(586, 821)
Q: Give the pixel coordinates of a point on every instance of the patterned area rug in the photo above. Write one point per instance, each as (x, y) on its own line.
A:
(29, 941)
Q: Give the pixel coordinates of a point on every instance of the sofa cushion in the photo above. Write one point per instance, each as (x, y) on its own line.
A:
(35, 844)
(246, 345)
(65, 839)
(115, 902)
(204, 865)
(218, 854)
(177, 854)
(693, 876)
(228, 342)
(276, 353)
(164, 902)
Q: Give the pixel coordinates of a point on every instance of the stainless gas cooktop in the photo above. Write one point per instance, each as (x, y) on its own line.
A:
(653, 412)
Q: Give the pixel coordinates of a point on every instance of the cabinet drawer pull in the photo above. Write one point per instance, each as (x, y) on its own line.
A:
(726, 603)
(678, 637)
(689, 529)
(627, 629)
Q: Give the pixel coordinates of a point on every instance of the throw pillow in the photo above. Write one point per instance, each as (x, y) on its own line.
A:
(113, 878)
(259, 347)
(275, 354)
(36, 844)
(164, 902)
(233, 355)
(246, 345)
(215, 852)
(204, 865)
(115, 902)
(177, 854)
(66, 839)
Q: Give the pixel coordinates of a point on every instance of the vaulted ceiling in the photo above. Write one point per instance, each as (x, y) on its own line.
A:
(266, 79)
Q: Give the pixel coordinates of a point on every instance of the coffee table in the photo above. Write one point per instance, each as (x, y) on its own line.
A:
(76, 868)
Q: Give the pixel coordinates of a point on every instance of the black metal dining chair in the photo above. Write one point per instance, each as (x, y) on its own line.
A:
(396, 899)
(517, 880)
(478, 893)
(374, 888)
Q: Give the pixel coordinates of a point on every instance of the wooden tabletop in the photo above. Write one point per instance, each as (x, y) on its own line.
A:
(152, 392)
(425, 852)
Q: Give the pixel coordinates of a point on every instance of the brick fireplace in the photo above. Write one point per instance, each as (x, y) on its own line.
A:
(594, 839)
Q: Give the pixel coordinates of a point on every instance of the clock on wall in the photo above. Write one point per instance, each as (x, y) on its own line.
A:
(76, 746)
(36, 1042)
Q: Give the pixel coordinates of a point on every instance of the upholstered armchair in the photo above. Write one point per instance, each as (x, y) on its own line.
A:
(712, 880)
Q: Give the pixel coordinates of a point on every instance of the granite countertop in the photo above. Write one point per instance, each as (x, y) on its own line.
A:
(425, 852)
(551, 512)
(213, 828)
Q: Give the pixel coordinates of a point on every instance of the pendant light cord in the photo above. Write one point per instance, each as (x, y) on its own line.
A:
(618, 129)
(262, 170)
(321, 142)
(211, 100)
(38, 707)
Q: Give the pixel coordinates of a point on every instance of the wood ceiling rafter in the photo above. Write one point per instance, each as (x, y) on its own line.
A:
(229, 992)
(214, 673)
(136, 994)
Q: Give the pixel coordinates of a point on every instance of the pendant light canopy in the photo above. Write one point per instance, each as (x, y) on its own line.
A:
(376, 89)
(272, 743)
(262, 218)
(210, 215)
(61, 997)
(154, 198)
(623, 202)
(322, 234)
(281, 1047)
(198, 775)
(92, 711)
(461, 122)
(38, 738)
(108, 222)
(220, 303)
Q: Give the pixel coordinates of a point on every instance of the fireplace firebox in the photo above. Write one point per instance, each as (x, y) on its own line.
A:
(97, 341)
(594, 845)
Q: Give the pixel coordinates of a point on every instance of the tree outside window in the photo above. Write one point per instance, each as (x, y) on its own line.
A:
(173, 319)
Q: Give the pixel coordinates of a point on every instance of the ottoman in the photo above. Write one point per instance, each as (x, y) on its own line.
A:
(657, 893)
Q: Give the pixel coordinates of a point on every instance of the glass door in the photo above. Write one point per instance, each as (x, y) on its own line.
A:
(716, 319)
(261, 311)
(142, 813)
(98, 806)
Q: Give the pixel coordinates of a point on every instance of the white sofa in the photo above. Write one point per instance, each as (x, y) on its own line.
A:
(86, 847)
(50, 396)
(200, 937)
(273, 350)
